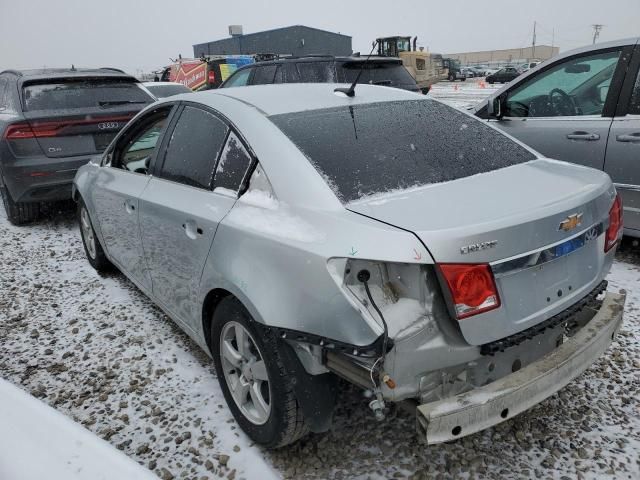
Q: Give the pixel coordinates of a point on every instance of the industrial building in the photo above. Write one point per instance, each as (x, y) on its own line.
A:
(297, 40)
(501, 57)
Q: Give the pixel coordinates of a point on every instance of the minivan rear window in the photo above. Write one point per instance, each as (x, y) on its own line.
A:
(84, 93)
(373, 148)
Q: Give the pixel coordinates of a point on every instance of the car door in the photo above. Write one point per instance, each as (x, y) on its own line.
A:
(180, 208)
(623, 151)
(119, 183)
(565, 110)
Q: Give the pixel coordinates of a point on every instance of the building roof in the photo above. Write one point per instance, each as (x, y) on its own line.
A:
(279, 29)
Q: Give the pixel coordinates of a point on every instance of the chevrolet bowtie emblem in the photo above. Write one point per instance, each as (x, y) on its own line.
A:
(571, 222)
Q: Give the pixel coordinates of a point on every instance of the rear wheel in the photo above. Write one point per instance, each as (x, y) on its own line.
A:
(92, 246)
(19, 213)
(255, 381)
(452, 78)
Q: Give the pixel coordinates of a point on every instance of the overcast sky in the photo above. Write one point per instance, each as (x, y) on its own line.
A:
(143, 35)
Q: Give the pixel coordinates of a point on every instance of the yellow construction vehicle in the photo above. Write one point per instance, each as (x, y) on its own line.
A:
(423, 66)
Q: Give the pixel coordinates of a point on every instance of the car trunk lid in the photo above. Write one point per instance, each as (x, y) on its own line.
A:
(538, 224)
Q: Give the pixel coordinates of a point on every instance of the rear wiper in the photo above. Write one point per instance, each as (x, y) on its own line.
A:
(118, 102)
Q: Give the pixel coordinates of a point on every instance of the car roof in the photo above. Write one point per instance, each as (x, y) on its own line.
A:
(53, 73)
(281, 98)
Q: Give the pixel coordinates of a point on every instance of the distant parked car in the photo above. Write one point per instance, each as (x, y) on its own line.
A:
(504, 75)
(584, 107)
(166, 89)
(299, 234)
(467, 72)
(51, 122)
(384, 71)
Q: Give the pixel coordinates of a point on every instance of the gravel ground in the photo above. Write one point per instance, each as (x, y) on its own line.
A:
(96, 349)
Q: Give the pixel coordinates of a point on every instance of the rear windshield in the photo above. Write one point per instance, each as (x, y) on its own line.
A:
(85, 93)
(163, 91)
(377, 73)
(374, 148)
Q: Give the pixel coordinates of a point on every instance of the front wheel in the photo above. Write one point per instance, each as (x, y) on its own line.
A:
(92, 246)
(255, 381)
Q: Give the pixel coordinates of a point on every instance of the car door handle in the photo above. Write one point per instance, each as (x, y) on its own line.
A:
(590, 137)
(633, 137)
(191, 229)
(129, 207)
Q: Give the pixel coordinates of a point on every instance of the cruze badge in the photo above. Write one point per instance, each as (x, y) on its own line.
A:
(571, 222)
(476, 247)
(108, 125)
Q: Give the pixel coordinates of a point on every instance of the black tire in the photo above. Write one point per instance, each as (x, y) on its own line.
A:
(452, 78)
(464, 79)
(490, 82)
(286, 423)
(97, 258)
(19, 213)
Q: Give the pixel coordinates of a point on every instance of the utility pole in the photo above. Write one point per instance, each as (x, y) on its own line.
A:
(596, 31)
(533, 44)
(553, 39)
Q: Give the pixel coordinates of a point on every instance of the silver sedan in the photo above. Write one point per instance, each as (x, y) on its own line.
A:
(300, 234)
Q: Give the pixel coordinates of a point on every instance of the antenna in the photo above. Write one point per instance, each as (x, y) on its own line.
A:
(596, 31)
(351, 91)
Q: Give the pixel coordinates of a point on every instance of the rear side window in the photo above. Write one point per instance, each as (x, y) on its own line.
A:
(264, 75)
(377, 73)
(193, 148)
(634, 105)
(3, 93)
(374, 148)
(233, 165)
(86, 93)
(317, 72)
(240, 79)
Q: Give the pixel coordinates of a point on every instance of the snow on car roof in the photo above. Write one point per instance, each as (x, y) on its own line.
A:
(297, 97)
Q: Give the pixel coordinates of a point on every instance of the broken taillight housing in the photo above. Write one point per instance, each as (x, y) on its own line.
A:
(615, 224)
(472, 287)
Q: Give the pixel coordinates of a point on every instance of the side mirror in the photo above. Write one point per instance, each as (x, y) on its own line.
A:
(603, 90)
(494, 107)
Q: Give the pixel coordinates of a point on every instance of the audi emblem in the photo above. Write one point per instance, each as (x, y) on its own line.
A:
(108, 125)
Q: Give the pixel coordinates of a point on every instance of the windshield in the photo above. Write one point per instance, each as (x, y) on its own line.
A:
(82, 93)
(374, 148)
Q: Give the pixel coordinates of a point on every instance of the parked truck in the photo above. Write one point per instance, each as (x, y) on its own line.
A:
(206, 72)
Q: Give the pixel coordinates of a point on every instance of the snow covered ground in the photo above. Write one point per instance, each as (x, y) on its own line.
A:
(463, 94)
(97, 350)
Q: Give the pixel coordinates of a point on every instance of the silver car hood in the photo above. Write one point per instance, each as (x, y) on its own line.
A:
(516, 209)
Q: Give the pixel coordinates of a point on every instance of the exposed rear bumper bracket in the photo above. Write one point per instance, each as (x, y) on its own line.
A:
(486, 406)
(564, 316)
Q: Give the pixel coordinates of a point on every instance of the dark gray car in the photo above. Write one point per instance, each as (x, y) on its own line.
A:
(388, 72)
(583, 107)
(51, 122)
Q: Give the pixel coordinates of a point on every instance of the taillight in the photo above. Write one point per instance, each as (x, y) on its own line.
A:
(211, 77)
(615, 224)
(18, 131)
(473, 288)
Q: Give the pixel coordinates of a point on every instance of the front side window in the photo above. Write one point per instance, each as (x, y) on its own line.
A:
(233, 165)
(574, 87)
(240, 79)
(136, 149)
(193, 148)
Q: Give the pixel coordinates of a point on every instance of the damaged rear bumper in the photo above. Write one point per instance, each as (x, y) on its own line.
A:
(483, 407)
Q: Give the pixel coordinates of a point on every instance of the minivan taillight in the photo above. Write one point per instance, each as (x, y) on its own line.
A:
(472, 287)
(615, 224)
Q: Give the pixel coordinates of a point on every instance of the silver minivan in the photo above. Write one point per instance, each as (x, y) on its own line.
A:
(583, 107)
